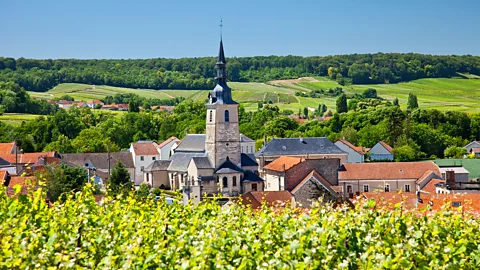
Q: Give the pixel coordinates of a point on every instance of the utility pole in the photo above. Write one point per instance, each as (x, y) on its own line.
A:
(108, 156)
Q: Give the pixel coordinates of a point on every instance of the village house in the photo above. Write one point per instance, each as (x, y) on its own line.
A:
(387, 176)
(307, 179)
(308, 148)
(247, 145)
(455, 173)
(381, 151)
(26, 162)
(144, 153)
(8, 148)
(94, 103)
(165, 147)
(156, 174)
(473, 148)
(355, 153)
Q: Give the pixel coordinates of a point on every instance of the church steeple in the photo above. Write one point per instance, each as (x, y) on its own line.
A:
(221, 65)
(221, 94)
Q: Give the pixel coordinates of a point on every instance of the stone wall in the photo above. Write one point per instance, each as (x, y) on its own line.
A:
(312, 191)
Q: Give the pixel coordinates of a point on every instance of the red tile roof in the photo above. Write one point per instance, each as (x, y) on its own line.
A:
(255, 199)
(7, 148)
(283, 163)
(475, 150)
(386, 146)
(386, 170)
(23, 181)
(95, 101)
(145, 149)
(3, 175)
(27, 158)
(359, 149)
(167, 141)
(430, 187)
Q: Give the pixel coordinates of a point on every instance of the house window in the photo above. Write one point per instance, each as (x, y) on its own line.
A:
(251, 149)
(227, 116)
(153, 158)
(225, 182)
(254, 187)
(365, 188)
(407, 188)
(211, 116)
(349, 189)
(387, 188)
(234, 181)
(142, 158)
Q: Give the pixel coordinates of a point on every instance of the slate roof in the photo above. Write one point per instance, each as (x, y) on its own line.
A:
(228, 167)
(158, 165)
(248, 160)
(192, 143)
(249, 176)
(207, 178)
(296, 146)
(386, 170)
(3, 162)
(145, 148)
(202, 162)
(99, 160)
(244, 138)
(180, 160)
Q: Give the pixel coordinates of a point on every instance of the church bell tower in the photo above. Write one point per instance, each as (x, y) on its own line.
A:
(222, 140)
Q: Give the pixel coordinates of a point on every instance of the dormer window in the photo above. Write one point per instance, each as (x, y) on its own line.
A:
(227, 116)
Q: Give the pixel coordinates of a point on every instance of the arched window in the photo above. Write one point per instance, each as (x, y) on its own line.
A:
(225, 182)
(211, 116)
(227, 116)
(234, 181)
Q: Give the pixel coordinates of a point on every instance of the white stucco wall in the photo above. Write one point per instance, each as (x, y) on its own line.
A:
(165, 151)
(353, 156)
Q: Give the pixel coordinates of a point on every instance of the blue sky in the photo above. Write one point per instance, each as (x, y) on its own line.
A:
(145, 29)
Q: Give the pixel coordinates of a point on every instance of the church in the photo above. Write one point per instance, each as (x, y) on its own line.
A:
(214, 163)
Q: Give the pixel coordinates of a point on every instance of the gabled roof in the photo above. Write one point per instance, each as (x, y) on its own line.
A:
(255, 199)
(95, 101)
(316, 177)
(248, 160)
(228, 167)
(299, 146)
(474, 142)
(7, 148)
(145, 148)
(250, 176)
(385, 145)
(386, 170)
(167, 141)
(283, 163)
(358, 149)
(192, 143)
(429, 174)
(244, 138)
(26, 158)
(431, 186)
(158, 165)
(99, 160)
(20, 180)
(202, 162)
(181, 160)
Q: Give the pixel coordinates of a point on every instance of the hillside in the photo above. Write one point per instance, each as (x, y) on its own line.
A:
(438, 93)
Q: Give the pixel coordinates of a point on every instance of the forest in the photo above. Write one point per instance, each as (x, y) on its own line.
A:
(198, 73)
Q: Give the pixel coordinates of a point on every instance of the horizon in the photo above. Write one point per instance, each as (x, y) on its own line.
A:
(110, 30)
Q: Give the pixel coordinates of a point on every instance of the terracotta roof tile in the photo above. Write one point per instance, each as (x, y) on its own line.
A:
(23, 181)
(430, 187)
(167, 141)
(283, 163)
(3, 175)
(145, 148)
(7, 148)
(386, 170)
(272, 198)
(26, 158)
(388, 147)
(359, 149)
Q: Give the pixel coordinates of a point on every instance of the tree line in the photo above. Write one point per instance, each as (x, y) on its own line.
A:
(198, 73)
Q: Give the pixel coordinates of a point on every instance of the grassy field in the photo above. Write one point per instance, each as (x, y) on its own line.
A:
(16, 119)
(443, 94)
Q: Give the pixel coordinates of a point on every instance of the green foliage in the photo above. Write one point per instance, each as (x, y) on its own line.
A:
(342, 104)
(305, 112)
(412, 102)
(143, 191)
(405, 153)
(124, 233)
(61, 179)
(14, 99)
(369, 93)
(395, 102)
(455, 152)
(119, 180)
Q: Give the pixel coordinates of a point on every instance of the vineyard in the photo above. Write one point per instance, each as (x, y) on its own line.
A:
(126, 233)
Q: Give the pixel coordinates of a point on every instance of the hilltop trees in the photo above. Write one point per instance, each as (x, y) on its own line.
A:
(61, 179)
(342, 104)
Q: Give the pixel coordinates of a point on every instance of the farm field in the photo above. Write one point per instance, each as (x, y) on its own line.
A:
(16, 119)
(439, 93)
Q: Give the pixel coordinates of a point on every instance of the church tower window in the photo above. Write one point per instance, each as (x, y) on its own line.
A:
(211, 116)
(227, 116)
(234, 181)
